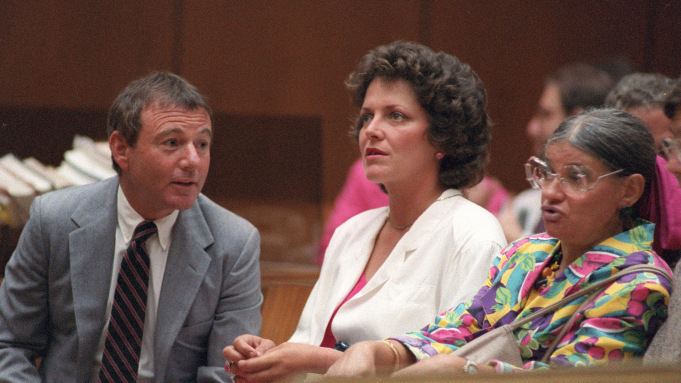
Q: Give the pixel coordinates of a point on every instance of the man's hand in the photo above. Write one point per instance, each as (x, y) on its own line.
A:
(283, 361)
(245, 347)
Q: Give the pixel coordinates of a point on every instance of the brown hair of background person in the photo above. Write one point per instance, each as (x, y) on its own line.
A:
(570, 90)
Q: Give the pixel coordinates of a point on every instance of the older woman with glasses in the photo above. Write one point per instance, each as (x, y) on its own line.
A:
(596, 170)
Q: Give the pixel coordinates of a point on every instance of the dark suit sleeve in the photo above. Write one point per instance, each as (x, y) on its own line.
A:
(238, 311)
(24, 304)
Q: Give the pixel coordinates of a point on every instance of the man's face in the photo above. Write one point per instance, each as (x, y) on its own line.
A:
(167, 167)
(549, 115)
(676, 123)
(658, 124)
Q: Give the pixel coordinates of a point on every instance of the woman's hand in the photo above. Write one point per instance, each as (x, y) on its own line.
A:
(358, 360)
(245, 347)
(438, 365)
(371, 359)
(444, 365)
(283, 361)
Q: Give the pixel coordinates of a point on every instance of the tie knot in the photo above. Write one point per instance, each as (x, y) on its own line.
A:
(143, 231)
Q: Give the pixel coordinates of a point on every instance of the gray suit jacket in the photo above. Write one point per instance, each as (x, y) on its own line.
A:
(666, 345)
(53, 298)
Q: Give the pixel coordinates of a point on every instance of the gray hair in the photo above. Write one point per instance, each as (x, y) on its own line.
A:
(162, 88)
(615, 137)
(640, 90)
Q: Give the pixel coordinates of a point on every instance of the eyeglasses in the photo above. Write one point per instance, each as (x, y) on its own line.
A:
(574, 179)
(672, 148)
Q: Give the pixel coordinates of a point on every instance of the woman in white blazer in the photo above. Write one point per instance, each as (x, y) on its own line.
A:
(423, 132)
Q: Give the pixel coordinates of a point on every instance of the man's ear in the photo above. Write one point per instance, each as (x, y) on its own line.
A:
(119, 149)
(633, 189)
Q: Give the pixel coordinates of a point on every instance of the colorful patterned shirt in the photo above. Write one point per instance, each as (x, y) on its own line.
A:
(617, 325)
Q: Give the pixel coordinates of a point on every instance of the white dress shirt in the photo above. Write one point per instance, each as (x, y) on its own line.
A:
(442, 260)
(157, 247)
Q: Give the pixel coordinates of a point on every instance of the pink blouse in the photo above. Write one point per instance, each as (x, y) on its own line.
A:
(329, 340)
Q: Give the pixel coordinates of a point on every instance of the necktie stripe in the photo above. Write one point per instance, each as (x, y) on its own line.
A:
(129, 308)
(110, 375)
(120, 360)
(125, 353)
(125, 323)
(140, 260)
(130, 288)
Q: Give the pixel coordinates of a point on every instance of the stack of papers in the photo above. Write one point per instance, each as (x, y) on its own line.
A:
(22, 180)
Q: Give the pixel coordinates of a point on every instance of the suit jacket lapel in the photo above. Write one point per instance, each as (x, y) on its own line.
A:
(185, 269)
(91, 248)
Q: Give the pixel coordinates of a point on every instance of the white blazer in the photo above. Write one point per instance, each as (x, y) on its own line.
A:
(442, 260)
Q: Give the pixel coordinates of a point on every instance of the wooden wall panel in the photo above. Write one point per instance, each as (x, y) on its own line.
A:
(514, 45)
(80, 53)
(290, 58)
(665, 50)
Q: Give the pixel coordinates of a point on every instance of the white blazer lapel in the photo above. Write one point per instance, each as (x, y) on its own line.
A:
(418, 234)
(424, 227)
(341, 270)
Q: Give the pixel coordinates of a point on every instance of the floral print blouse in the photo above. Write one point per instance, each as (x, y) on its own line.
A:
(617, 325)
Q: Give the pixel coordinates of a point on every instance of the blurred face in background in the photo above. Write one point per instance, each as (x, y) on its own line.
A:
(655, 120)
(672, 146)
(549, 115)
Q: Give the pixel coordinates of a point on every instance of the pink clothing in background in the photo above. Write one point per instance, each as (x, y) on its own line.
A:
(663, 207)
(498, 194)
(358, 195)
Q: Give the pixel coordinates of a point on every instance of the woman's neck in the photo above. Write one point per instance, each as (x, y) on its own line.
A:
(407, 204)
(571, 251)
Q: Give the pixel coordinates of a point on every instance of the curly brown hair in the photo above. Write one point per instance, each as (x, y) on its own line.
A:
(449, 91)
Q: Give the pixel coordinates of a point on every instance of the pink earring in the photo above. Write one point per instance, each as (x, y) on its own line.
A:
(439, 155)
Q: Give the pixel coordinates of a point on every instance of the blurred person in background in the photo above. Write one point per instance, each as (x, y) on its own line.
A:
(570, 90)
(644, 95)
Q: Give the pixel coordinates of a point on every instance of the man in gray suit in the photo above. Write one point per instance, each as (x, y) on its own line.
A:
(74, 289)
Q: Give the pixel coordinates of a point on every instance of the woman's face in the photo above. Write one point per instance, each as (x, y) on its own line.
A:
(582, 218)
(393, 139)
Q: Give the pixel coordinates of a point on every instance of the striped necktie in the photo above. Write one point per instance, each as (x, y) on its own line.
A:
(124, 335)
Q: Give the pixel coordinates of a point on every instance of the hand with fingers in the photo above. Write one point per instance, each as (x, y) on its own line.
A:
(245, 347)
(277, 363)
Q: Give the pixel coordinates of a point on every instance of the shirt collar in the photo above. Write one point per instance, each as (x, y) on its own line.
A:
(128, 219)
